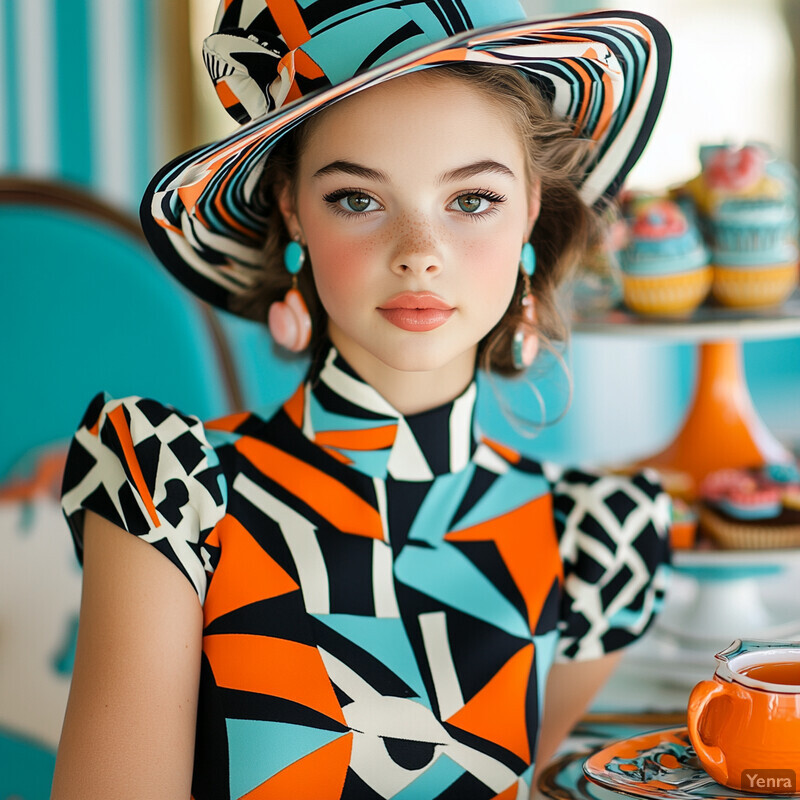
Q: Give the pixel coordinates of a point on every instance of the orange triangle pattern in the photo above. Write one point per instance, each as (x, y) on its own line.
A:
(228, 423)
(332, 499)
(508, 794)
(270, 666)
(294, 406)
(318, 776)
(523, 537)
(497, 711)
(506, 453)
(247, 574)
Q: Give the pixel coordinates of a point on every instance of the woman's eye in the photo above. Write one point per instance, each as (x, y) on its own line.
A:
(471, 203)
(352, 202)
(357, 202)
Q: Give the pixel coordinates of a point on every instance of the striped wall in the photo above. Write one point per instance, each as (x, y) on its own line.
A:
(82, 96)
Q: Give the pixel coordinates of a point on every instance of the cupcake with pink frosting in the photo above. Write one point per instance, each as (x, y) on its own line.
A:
(665, 262)
(747, 201)
(752, 508)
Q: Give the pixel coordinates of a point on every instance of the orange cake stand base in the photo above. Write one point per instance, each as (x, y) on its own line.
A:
(721, 428)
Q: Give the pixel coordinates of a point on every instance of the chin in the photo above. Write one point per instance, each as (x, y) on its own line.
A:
(425, 355)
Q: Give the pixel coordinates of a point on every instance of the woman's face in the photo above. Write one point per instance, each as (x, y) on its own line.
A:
(413, 201)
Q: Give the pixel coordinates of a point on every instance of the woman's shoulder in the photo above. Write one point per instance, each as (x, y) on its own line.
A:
(152, 470)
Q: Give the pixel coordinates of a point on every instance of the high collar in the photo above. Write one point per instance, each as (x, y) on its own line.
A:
(352, 422)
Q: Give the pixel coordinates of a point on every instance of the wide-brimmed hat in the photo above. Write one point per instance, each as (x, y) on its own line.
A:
(275, 62)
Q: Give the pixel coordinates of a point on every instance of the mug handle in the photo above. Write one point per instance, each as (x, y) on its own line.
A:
(699, 699)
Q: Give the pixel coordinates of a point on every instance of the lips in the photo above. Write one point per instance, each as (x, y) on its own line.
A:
(416, 311)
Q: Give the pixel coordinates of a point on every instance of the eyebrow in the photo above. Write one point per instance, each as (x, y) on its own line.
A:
(459, 174)
(478, 168)
(350, 168)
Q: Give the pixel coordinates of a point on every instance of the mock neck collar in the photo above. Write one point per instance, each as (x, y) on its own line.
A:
(353, 423)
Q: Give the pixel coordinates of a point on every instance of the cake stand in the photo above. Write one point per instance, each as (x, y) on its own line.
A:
(725, 593)
(721, 428)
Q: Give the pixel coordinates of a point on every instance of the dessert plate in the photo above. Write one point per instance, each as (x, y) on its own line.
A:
(658, 764)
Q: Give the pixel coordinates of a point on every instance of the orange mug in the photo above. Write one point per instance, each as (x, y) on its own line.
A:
(745, 723)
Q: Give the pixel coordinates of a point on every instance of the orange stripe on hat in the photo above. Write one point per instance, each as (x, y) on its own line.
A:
(225, 94)
(274, 667)
(222, 211)
(189, 193)
(369, 439)
(290, 22)
(333, 500)
(117, 419)
(306, 65)
(607, 111)
(162, 223)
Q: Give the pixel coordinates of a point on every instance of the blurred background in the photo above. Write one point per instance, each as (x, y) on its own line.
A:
(96, 95)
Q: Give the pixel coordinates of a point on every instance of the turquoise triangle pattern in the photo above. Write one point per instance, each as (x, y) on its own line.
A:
(258, 750)
(438, 777)
(386, 639)
(507, 493)
(439, 506)
(447, 575)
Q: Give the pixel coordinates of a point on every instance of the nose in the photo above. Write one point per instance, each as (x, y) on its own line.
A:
(417, 247)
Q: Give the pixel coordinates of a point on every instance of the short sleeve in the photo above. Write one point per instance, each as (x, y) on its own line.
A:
(149, 469)
(614, 542)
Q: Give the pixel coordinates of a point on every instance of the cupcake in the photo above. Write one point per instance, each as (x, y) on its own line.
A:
(752, 508)
(747, 201)
(665, 263)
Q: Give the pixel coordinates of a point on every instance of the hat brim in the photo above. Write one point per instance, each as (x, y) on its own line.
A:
(606, 71)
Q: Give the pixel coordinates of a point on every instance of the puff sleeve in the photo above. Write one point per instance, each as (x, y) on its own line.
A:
(613, 539)
(151, 470)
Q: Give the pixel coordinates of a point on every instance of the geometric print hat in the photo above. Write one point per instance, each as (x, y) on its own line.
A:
(275, 62)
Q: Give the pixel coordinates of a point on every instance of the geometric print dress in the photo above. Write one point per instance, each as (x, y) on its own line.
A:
(383, 596)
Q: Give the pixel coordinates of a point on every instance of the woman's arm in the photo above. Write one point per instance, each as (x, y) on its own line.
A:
(570, 689)
(129, 728)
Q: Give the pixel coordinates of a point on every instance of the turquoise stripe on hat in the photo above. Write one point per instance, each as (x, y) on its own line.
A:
(73, 95)
(497, 12)
(339, 59)
(10, 72)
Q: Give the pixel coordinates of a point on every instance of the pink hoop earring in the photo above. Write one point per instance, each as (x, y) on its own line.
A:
(288, 320)
(525, 345)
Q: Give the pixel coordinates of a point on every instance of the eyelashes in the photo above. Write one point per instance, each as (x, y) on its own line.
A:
(334, 199)
(353, 202)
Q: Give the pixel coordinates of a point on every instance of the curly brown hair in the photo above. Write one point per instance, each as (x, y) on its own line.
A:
(564, 228)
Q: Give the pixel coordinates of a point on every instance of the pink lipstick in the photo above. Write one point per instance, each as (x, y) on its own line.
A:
(416, 311)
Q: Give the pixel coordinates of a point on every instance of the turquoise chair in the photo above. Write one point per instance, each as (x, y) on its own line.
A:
(88, 308)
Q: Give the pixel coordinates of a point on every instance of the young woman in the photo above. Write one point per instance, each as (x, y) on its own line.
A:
(362, 595)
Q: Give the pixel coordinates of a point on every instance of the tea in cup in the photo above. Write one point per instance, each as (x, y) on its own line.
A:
(745, 723)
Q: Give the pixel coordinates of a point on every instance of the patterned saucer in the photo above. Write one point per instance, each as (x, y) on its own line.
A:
(658, 764)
